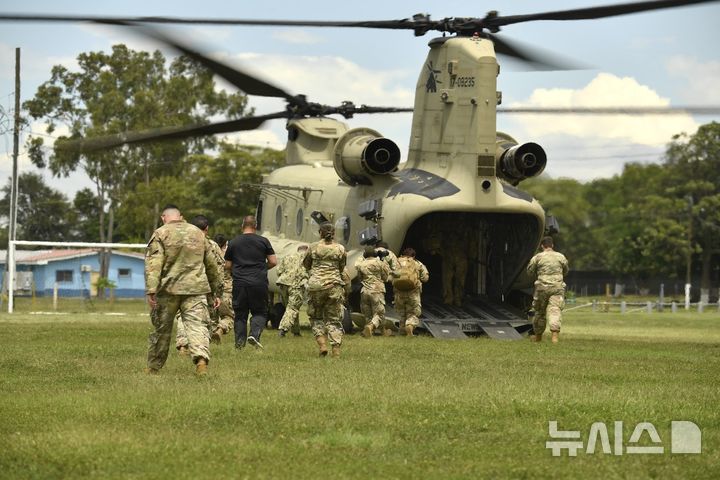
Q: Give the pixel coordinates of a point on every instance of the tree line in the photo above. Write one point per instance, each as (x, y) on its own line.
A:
(652, 219)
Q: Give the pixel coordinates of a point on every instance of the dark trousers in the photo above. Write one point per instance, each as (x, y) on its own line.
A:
(251, 300)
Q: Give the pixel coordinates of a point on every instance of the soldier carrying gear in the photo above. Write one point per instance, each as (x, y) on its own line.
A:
(373, 273)
(407, 302)
(549, 267)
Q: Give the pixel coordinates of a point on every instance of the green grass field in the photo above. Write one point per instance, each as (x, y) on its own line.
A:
(75, 402)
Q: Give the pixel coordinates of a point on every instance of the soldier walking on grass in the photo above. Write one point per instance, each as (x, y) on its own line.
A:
(549, 267)
(325, 261)
(408, 290)
(180, 272)
(219, 316)
(373, 273)
(292, 278)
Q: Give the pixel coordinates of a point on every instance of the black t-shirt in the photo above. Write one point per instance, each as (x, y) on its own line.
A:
(248, 253)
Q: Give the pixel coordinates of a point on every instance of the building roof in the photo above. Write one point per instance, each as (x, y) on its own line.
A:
(43, 257)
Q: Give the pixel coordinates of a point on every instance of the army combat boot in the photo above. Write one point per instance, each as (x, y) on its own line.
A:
(555, 337)
(322, 343)
(201, 367)
(537, 337)
(409, 330)
(216, 336)
(387, 332)
(368, 330)
(184, 351)
(336, 351)
(152, 371)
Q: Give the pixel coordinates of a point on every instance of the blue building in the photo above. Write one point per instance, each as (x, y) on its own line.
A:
(76, 272)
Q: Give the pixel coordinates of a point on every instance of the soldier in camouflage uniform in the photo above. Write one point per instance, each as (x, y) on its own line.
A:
(407, 302)
(549, 267)
(373, 273)
(220, 315)
(291, 281)
(227, 316)
(180, 270)
(325, 261)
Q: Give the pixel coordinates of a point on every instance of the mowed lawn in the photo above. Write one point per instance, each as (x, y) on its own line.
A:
(75, 403)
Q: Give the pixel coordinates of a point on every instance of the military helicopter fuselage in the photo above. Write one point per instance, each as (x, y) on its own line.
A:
(455, 195)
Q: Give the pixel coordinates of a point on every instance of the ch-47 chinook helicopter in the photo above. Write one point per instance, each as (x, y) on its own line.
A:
(458, 189)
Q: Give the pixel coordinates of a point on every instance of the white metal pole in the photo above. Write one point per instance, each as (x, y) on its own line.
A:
(11, 274)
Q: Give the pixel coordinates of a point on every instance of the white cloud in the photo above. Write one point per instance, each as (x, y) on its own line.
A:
(299, 37)
(703, 79)
(605, 90)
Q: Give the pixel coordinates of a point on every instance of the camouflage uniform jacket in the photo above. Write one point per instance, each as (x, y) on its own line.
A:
(549, 267)
(373, 274)
(291, 271)
(179, 261)
(325, 264)
(220, 259)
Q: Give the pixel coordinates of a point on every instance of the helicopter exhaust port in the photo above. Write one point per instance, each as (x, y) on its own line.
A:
(362, 153)
(516, 163)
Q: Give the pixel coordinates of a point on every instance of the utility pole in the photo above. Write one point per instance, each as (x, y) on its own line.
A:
(688, 269)
(16, 149)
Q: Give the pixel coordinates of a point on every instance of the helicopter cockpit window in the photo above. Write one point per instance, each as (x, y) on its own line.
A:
(299, 221)
(278, 218)
(343, 225)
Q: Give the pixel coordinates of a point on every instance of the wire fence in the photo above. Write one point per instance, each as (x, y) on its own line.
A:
(647, 306)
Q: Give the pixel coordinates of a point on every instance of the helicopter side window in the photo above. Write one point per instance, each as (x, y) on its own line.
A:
(278, 218)
(299, 221)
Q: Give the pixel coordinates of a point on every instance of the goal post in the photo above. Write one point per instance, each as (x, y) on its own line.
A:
(12, 244)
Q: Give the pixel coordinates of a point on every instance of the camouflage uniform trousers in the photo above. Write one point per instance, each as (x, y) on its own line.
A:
(454, 271)
(407, 306)
(292, 298)
(227, 315)
(548, 304)
(325, 312)
(372, 306)
(219, 318)
(196, 320)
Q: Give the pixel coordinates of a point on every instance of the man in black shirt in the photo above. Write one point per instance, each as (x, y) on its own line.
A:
(249, 256)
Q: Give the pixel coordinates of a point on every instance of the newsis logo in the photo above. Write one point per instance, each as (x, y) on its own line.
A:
(685, 437)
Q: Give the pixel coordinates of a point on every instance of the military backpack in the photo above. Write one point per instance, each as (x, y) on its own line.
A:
(408, 275)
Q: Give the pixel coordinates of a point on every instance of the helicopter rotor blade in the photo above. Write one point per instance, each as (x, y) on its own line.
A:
(533, 56)
(590, 13)
(679, 110)
(244, 81)
(88, 145)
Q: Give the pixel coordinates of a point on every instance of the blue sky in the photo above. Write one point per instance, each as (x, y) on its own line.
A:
(658, 58)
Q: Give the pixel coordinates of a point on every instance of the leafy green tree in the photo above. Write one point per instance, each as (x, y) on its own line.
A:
(86, 226)
(565, 199)
(43, 213)
(694, 163)
(119, 92)
(227, 184)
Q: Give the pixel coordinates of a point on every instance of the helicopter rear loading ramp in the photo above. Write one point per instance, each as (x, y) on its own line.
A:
(477, 316)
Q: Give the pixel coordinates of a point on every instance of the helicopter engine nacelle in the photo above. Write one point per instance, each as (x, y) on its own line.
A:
(362, 153)
(515, 162)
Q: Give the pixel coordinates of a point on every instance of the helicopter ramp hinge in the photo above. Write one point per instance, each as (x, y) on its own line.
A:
(444, 329)
(456, 329)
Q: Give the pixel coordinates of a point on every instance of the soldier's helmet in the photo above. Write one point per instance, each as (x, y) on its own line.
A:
(327, 231)
(369, 252)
